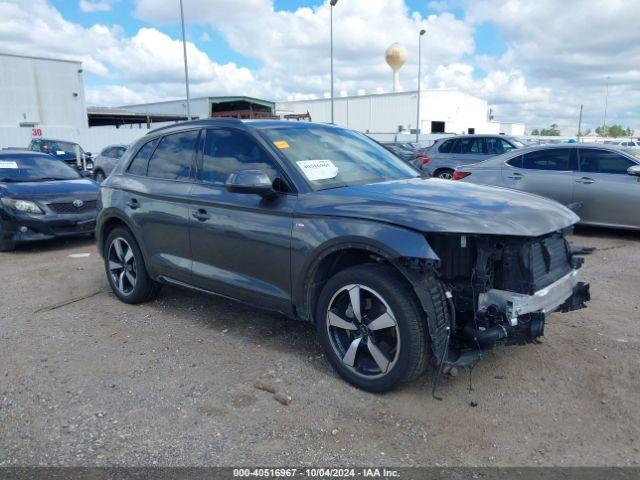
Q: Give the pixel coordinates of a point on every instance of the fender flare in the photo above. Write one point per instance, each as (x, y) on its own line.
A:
(110, 214)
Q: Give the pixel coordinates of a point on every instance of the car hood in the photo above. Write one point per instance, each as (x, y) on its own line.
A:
(434, 205)
(81, 188)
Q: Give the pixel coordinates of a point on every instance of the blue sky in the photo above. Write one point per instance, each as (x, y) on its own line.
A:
(534, 62)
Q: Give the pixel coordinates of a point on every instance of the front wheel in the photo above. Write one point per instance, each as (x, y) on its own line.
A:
(125, 268)
(99, 176)
(372, 327)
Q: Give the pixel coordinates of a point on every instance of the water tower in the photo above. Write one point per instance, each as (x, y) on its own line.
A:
(395, 56)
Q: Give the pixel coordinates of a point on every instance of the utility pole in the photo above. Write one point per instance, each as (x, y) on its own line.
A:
(606, 100)
(186, 65)
(580, 124)
(422, 32)
(332, 4)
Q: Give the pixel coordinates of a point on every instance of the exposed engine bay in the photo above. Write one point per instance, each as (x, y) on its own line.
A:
(503, 288)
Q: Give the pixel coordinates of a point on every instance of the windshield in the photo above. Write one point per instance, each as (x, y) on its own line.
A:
(330, 157)
(517, 143)
(59, 146)
(34, 168)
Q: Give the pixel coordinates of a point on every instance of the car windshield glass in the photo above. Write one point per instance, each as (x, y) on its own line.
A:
(67, 147)
(330, 157)
(517, 143)
(34, 168)
(632, 152)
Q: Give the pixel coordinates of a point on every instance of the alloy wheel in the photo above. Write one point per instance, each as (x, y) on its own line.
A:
(122, 266)
(363, 331)
(445, 175)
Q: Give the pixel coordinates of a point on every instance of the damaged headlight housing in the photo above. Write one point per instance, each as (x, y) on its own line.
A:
(25, 206)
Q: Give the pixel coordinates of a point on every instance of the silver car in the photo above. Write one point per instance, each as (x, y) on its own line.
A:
(107, 160)
(601, 183)
(446, 154)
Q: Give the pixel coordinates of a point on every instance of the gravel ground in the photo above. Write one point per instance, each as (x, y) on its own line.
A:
(171, 382)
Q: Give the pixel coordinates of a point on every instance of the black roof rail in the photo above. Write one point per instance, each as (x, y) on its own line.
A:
(204, 121)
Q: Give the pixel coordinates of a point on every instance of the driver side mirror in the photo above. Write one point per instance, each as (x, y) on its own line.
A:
(635, 170)
(251, 181)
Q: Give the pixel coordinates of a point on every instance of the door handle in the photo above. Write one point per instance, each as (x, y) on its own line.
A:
(515, 176)
(585, 180)
(133, 204)
(201, 215)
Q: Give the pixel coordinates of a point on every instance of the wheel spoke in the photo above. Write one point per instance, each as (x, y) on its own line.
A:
(379, 357)
(121, 281)
(129, 255)
(114, 266)
(383, 321)
(354, 296)
(131, 278)
(350, 357)
(117, 244)
(336, 321)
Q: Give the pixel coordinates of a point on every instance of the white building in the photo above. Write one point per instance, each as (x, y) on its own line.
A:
(41, 91)
(441, 111)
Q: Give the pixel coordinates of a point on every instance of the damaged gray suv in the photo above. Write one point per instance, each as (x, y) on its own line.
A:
(324, 225)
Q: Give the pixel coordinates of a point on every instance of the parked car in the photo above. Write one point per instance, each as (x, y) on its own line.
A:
(62, 150)
(107, 159)
(446, 154)
(601, 182)
(42, 198)
(323, 224)
(629, 144)
(406, 151)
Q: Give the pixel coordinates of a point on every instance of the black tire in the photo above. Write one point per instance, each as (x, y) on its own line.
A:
(444, 173)
(144, 288)
(412, 350)
(99, 176)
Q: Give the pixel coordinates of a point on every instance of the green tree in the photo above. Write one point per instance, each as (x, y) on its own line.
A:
(535, 131)
(614, 131)
(552, 131)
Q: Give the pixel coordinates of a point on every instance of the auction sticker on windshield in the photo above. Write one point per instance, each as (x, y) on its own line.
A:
(318, 169)
(6, 164)
(281, 144)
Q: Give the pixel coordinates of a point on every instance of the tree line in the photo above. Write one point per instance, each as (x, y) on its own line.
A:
(614, 131)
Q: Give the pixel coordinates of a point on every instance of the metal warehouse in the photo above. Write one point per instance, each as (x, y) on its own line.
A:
(441, 111)
(41, 91)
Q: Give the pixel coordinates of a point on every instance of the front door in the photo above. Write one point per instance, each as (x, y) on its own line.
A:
(241, 243)
(607, 193)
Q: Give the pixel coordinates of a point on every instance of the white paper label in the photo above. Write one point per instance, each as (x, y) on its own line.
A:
(60, 152)
(7, 164)
(318, 169)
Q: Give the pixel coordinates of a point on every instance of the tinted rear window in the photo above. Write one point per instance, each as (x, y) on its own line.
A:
(446, 146)
(139, 164)
(173, 158)
(603, 161)
(549, 159)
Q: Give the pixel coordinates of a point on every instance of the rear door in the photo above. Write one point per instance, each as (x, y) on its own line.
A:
(547, 172)
(241, 243)
(608, 194)
(163, 171)
(468, 150)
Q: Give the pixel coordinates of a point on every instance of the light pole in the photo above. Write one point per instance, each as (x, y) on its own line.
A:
(606, 100)
(333, 4)
(422, 32)
(186, 66)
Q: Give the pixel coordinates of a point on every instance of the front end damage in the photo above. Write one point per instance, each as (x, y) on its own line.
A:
(501, 290)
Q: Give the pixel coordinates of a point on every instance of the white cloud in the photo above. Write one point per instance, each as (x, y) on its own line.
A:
(90, 6)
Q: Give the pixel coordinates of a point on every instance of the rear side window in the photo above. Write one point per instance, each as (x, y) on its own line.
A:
(469, 146)
(550, 159)
(446, 146)
(173, 159)
(603, 161)
(138, 165)
(227, 151)
(497, 146)
(516, 162)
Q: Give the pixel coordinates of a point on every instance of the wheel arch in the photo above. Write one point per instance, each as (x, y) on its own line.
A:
(109, 220)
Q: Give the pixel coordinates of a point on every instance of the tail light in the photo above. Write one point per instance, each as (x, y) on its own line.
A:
(425, 160)
(460, 175)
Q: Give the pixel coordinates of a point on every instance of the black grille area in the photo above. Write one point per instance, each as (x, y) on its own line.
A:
(69, 208)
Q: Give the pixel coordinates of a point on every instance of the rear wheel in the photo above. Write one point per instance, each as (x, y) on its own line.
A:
(372, 327)
(445, 174)
(99, 176)
(125, 268)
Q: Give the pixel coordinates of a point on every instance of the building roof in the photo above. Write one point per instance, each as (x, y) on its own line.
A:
(223, 99)
(102, 116)
(2, 54)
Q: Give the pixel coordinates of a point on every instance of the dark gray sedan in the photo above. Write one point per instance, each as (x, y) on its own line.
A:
(446, 154)
(601, 183)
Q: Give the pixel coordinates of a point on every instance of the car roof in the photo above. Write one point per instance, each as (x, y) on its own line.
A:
(234, 122)
(22, 153)
(55, 140)
(477, 135)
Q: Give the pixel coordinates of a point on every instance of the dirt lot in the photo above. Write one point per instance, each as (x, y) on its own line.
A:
(97, 382)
